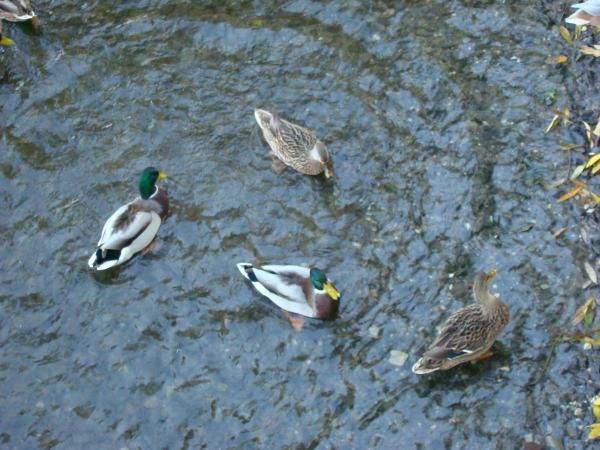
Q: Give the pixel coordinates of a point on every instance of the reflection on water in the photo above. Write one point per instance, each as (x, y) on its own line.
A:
(434, 113)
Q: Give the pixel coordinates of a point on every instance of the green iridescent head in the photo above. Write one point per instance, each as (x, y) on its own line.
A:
(148, 180)
(320, 281)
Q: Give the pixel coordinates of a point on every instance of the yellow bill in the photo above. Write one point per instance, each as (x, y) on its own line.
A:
(6, 41)
(162, 175)
(331, 290)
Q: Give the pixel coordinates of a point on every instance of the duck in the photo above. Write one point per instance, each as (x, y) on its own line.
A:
(15, 11)
(133, 227)
(294, 146)
(295, 289)
(588, 13)
(469, 333)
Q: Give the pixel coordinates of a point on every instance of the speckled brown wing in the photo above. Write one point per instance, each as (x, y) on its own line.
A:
(297, 142)
(467, 329)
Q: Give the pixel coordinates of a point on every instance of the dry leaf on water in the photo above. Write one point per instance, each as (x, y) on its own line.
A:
(570, 146)
(585, 311)
(397, 357)
(591, 51)
(593, 160)
(566, 35)
(560, 59)
(588, 133)
(553, 124)
(594, 431)
(591, 272)
(596, 407)
(572, 193)
(558, 232)
(577, 171)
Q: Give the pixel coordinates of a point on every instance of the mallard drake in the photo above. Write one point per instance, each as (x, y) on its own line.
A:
(587, 13)
(14, 11)
(294, 145)
(295, 289)
(469, 333)
(133, 226)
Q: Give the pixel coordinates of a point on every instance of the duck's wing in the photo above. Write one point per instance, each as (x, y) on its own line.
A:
(288, 287)
(466, 331)
(125, 225)
(16, 10)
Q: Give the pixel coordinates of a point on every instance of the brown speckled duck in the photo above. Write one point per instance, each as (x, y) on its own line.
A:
(15, 11)
(294, 145)
(295, 289)
(133, 226)
(469, 333)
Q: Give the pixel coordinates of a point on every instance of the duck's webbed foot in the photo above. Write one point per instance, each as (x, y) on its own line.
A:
(277, 166)
(296, 320)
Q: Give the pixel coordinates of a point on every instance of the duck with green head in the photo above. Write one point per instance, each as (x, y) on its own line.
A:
(133, 226)
(15, 11)
(469, 333)
(295, 289)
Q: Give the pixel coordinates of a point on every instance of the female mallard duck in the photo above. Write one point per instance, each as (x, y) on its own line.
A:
(587, 13)
(294, 145)
(133, 226)
(14, 11)
(296, 289)
(469, 333)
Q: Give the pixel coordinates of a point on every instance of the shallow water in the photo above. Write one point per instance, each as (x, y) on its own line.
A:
(435, 114)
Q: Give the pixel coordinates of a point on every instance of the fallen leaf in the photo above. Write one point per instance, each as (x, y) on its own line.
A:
(597, 128)
(374, 331)
(566, 35)
(570, 146)
(560, 59)
(594, 431)
(577, 171)
(584, 310)
(558, 232)
(596, 407)
(553, 124)
(397, 357)
(593, 160)
(591, 272)
(578, 29)
(590, 51)
(572, 193)
(589, 340)
(588, 133)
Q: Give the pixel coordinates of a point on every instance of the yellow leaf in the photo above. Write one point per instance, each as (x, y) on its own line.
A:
(591, 51)
(589, 340)
(572, 193)
(578, 31)
(591, 273)
(588, 133)
(558, 232)
(596, 407)
(597, 129)
(595, 169)
(582, 311)
(577, 171)
(553, 124)
(593, 160)
(594, 431)
(565, 34)
(570, 146)
(560, 59)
